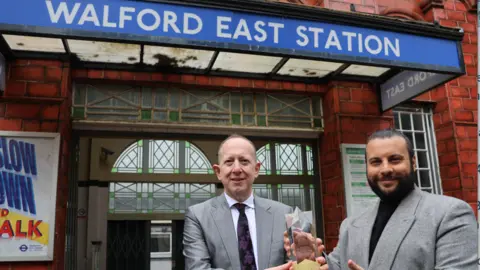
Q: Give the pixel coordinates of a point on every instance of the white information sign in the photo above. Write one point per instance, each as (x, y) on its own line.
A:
(358, 195)
(28, 187)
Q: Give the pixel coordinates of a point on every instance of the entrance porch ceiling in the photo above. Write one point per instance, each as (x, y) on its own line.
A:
(92, 53)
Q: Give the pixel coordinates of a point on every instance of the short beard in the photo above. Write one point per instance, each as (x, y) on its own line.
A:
(405, 185)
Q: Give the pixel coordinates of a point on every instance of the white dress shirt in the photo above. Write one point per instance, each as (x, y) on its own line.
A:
(250, 213)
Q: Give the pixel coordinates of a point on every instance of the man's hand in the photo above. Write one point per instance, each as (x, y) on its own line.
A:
(288, 248)
(353, 266)
(286, 266)
(322, 267)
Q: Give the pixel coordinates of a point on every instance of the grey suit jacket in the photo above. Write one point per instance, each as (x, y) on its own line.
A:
(210, 241)
(426, 231)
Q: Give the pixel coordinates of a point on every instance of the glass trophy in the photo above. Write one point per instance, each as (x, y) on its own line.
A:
(302, 234)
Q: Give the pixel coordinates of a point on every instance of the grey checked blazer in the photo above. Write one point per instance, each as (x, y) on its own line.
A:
(210, 241)
(426, 232)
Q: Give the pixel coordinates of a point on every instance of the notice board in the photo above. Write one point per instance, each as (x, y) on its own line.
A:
(358, 194)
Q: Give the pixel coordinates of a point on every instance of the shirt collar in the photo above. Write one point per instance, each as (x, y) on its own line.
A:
(231, 201)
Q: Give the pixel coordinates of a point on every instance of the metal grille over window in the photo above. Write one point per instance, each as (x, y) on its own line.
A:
(175, 105)
(417, 124)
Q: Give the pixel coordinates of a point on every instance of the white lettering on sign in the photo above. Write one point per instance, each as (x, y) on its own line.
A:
(332, 40)
(147, 19)
(221, 27)
(399, 88)
(187, 18)
(372, 44)
(243, 29)
(154, 14)
(410, 82)
(259, 28)
(62, 9)
(227, 27)
(170, 21)
(106, 23)
(418, 78)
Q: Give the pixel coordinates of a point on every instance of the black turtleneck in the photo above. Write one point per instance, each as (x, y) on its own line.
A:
(385, 211)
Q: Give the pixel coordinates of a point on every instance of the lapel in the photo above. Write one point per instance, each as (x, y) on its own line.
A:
(222, 216)
(395, 231)
(359, 237)
(264, 224)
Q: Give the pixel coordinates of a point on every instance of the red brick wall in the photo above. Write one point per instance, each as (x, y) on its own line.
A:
(37, 98)
(458, 159)
(195, 80)
(351, 114)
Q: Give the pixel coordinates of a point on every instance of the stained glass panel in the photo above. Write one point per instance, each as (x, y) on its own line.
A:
(263, 156)
(312, 197)
(263, 190)
(164, 157)
(292, 195)
(224, 108)
(157, 197)
(288, 159)
(196, 161)
(309, 160)
(130, 161)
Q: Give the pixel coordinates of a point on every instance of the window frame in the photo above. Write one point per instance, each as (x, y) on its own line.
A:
(428, 131)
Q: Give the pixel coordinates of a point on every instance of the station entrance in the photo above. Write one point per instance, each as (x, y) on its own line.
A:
(137, 191)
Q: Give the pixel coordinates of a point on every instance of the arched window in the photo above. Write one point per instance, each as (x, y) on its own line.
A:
(130, 160)
(162, 156)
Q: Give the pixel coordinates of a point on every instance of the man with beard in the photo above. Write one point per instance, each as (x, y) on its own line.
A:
(408, 228)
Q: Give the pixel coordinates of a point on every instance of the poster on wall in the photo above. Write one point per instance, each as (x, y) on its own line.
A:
(28, 185)
(358, 195)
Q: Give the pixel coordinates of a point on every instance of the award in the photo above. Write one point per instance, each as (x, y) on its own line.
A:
(302, 233)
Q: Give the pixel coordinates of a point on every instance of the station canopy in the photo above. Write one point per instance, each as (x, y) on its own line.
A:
(249, 38)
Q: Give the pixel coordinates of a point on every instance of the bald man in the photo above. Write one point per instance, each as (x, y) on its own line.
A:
(236, 230)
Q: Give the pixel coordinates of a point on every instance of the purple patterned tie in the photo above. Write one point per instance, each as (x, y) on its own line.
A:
(245, 246)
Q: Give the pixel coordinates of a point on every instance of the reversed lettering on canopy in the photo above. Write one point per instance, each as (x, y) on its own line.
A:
(409, 84)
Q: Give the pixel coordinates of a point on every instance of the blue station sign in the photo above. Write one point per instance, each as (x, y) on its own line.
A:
(202, 27)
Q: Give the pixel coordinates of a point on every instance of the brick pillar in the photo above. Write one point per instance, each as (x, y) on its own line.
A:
(351, 114)
(455, 116)
(37, 98)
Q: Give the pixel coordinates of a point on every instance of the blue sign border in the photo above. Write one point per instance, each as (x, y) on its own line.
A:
(451, 62)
